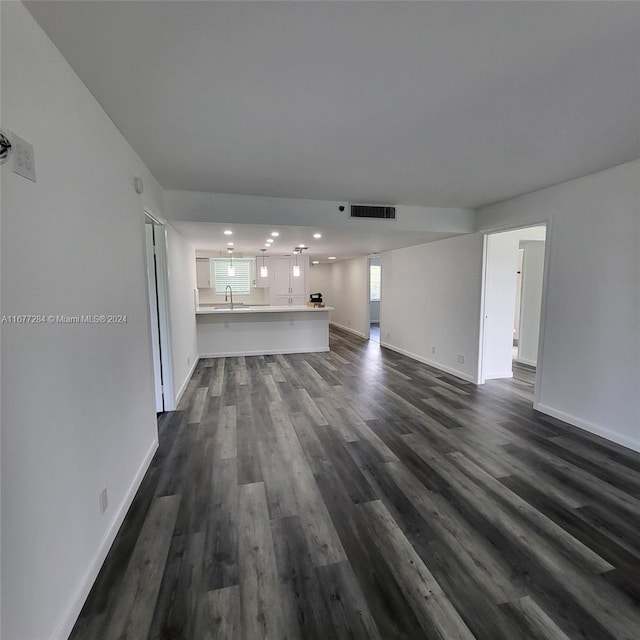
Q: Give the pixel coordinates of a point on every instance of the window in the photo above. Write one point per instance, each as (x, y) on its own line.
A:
(374, 279)
(240, 282)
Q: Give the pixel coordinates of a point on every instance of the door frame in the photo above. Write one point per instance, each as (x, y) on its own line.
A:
(164, 315)
(547, 223)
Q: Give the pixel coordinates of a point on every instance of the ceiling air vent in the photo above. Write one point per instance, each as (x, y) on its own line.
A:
(372, 211)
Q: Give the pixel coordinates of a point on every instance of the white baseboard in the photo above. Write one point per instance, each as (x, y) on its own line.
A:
(431, 363)
(70, 616)
(183, 386)
(498, 376)
(591, 427)
(530, 363)
(262, 352)
(350, 330)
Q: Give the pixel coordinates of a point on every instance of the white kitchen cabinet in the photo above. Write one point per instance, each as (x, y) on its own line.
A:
(203, 273)
(287, 288)
(280, 301)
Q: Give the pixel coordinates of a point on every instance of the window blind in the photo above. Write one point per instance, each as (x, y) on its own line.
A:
(240, 282)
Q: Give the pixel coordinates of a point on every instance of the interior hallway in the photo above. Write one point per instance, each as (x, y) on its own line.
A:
(361, 494)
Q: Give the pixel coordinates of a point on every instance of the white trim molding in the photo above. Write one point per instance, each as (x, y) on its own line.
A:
(262, 352)
(436, 365)
(183, 386)
(591, 427)
(350, 330)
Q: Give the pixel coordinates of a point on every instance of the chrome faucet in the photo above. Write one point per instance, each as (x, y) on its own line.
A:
(225, 295)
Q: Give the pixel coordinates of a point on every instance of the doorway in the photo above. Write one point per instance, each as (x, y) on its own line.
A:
(375, 279)
(157, 289)
(512, 301)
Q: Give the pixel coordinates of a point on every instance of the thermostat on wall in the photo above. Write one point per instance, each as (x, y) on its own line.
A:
(23, 161)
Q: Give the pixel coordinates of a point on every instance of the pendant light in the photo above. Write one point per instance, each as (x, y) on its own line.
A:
(264, 270)
(296, 266)
(231, 270)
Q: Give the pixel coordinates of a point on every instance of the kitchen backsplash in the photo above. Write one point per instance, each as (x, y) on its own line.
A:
(257, 296)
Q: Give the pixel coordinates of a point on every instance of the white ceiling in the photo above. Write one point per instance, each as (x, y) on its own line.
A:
(343, 244)
(454, 104)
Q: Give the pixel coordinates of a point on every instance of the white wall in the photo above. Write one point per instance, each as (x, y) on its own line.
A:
(590, 359)
(350, 295)
(374, 311)
(320, 281)
(431, 297)
(195, 206)
(530, 301)
(181, 271)
(77, 411)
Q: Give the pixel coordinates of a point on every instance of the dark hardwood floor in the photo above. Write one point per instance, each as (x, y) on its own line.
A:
(360, 494)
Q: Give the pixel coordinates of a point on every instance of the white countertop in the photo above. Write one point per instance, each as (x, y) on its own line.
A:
(264, 309)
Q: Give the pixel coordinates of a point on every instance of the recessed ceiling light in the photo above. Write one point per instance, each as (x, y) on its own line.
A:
(302, 246)
(266, 244)
(228, 232)
(275, 234)
(229, 244)
(331, 258)
(315, 262)
(269, 240)
(317, 235)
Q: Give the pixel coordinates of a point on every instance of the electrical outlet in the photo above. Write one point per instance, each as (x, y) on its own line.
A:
(188, 361)
(23, 160)
(104, 500)
(349, 322)
(433, 349)
(388, 335)
(460, 359)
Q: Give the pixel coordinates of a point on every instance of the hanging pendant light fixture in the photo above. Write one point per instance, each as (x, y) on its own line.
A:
(264, 270)
(231, 270)
(296, 266)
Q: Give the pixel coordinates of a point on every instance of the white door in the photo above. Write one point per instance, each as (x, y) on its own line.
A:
(152, 282)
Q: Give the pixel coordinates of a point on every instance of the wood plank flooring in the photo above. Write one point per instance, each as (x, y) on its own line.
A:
(360, 494)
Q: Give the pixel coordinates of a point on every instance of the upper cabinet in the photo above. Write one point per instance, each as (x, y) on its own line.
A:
(203, 273)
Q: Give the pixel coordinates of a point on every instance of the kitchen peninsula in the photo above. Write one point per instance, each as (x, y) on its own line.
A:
(261, 330)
